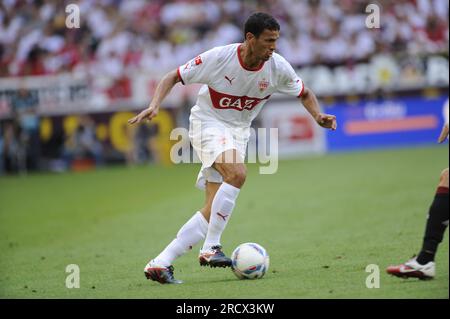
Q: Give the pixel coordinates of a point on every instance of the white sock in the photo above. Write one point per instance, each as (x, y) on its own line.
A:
(221, 209)
(188, 236)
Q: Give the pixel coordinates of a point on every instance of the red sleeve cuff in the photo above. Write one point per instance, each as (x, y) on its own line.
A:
(179, 76)
(301, 92)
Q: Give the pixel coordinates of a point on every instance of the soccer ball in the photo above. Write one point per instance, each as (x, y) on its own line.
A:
(249, 261)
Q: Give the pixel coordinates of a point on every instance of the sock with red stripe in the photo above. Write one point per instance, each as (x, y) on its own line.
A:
(436, 224)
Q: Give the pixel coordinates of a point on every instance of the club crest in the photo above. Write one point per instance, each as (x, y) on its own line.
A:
(263, 84)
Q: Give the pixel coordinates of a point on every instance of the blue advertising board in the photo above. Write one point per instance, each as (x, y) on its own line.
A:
(386, 123)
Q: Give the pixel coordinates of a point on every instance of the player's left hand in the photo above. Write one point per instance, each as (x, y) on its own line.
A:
(146, 114)
(444, 133)
(327, 121)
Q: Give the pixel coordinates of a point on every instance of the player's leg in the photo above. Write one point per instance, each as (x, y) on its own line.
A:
(437, 221)
(423, 265)
(210, 191)
(233, 171)
(160, 269)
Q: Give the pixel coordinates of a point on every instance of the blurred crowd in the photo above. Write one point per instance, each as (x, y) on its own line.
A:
(118, 37)
(80, 147)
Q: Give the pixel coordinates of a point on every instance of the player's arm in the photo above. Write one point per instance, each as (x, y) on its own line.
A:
(444, 133)
(310, 102)
(163, 88)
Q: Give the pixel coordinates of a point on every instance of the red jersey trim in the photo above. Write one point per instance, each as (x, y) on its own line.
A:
(242, 62)
(179, 75)
(301, 92)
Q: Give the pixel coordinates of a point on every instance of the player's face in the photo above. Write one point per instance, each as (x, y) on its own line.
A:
(265, 44)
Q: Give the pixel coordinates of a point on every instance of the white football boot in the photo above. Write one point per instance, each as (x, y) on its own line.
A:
(412, 269)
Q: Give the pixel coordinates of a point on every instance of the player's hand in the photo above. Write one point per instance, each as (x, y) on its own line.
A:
(444, 133)
(146, 114)
(327, 121)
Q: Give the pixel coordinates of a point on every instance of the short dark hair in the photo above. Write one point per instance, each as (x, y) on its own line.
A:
(258, 22)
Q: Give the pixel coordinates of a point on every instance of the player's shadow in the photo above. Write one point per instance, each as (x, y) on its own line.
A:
(228, 280)
(218, 280)
(408, 281)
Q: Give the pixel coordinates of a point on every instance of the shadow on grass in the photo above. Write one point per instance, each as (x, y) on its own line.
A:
(229, 280)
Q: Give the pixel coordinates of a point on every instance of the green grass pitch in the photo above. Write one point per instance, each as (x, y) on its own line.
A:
(321, 219)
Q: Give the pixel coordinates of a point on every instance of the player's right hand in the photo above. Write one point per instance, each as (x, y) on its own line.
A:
(327, 121)
(147, 114)
(444, 133)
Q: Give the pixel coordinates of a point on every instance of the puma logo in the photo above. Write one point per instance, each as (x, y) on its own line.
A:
(224, 217)
(229, 80)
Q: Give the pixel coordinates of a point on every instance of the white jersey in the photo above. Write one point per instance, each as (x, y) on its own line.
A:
(233, 93)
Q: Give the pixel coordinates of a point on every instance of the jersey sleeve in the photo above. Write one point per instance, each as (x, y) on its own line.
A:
(289, 82)
(199, 69)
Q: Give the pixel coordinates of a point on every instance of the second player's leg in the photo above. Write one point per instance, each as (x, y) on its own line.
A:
(423, 265)
(437, 221)
(443, 180)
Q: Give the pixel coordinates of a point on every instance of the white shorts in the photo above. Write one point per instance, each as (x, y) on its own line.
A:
(211, 137)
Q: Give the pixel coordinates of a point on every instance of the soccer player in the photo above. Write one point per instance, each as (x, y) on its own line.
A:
(423, 266)
(238, 79)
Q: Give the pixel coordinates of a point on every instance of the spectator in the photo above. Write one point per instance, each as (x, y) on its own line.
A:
(145, 145)
(83, 143)
(10, 151)
(24, 105)
(1, 151)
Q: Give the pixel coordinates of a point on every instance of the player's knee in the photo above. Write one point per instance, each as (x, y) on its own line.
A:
(444, 178)
(206, 212)
(237, 176)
